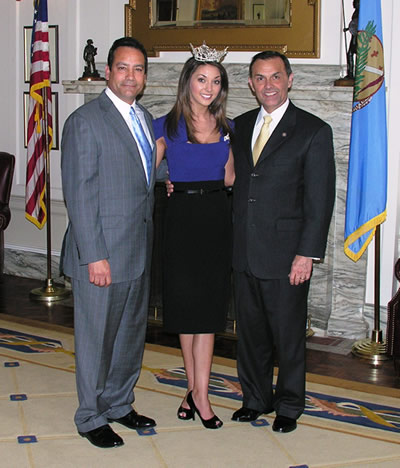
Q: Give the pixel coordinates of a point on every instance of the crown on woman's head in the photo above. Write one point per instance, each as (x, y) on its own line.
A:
(204, 53)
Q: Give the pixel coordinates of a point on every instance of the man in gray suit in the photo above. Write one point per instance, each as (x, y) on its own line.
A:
(108, 174)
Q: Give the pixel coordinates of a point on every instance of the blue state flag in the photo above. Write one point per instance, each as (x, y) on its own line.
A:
(367, 177)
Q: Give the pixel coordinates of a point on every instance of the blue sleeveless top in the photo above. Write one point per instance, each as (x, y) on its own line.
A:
(192, 162)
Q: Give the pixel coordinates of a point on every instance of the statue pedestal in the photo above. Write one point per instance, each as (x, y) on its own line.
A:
(346, 81)
(91, 78)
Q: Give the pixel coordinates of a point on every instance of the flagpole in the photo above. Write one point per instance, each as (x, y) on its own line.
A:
(367, 176)
(49, 293)
(374, 348)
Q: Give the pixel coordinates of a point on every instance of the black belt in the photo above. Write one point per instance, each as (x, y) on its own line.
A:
(199, 191)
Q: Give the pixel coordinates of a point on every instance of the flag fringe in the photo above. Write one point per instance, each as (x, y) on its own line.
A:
(369, 226)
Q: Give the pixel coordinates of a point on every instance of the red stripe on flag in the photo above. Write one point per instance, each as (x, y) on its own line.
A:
(40, 121)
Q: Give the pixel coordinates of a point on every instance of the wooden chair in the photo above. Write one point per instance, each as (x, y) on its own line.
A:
(393, 323)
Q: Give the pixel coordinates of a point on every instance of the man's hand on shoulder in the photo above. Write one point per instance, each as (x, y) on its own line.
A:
(100, 273)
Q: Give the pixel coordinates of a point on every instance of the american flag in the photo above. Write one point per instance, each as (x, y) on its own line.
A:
(38, 118)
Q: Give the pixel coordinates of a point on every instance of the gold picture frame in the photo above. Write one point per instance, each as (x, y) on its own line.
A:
(53, 49)
(54, 97)
(298, 38)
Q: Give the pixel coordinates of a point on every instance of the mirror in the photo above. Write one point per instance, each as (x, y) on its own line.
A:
(206, 12)
(290, 26)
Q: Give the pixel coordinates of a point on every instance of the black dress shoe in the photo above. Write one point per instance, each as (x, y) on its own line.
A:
(134, 421)
(103, 437)
(245, 414)
(284, 424)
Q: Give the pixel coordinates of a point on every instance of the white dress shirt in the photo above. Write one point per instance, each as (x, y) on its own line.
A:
(124, 109)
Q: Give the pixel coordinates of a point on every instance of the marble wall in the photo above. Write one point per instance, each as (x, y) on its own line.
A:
(337, 292)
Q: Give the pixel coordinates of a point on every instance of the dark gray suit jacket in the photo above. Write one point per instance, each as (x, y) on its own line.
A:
(283, 205)
(109, 203)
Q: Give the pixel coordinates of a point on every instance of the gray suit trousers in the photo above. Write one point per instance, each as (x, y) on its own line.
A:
(110, 327)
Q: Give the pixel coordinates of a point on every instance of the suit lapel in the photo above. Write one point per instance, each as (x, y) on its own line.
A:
(248, 135)
(117, 122)
(281, 134)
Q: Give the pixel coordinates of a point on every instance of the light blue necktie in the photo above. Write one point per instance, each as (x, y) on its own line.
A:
(142, 139)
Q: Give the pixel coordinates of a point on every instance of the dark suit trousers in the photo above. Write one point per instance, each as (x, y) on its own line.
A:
(271, 317)
(110, 327)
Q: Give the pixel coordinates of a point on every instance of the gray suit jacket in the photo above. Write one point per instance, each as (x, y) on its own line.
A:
(109, 203)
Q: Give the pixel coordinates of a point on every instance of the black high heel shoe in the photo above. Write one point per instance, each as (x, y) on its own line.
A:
(185, 413)
(212, 423)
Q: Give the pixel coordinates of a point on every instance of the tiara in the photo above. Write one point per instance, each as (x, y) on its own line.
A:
(204, 53)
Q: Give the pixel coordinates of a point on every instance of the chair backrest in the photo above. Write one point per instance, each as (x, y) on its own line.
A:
(393, 320)
(7, 163)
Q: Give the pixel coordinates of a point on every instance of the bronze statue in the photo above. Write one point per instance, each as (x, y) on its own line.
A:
(352, 50)
(348, 80)
(90, 73)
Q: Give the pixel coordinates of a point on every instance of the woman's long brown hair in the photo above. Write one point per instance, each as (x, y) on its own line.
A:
(183, 108)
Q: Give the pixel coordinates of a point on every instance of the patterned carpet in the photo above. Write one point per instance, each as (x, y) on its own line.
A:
(344, 425)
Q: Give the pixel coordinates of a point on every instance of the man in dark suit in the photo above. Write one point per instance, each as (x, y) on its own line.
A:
(283, 199)
(108, 173)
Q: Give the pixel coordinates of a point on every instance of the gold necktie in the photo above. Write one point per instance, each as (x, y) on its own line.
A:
(262, 138)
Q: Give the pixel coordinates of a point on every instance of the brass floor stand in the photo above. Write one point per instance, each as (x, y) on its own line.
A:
(49, 293)
(372, 349)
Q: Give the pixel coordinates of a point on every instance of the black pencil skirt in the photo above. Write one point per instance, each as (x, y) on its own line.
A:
(197, 258)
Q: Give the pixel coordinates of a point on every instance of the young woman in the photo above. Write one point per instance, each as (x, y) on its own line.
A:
(195, 138)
